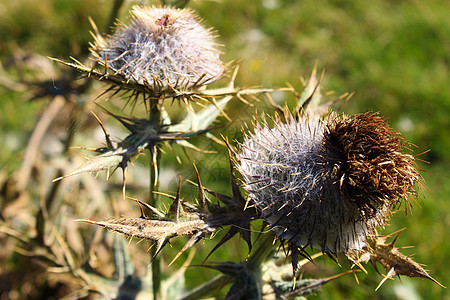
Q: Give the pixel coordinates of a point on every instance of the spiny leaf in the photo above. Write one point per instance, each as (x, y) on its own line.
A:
(192, 241)
(391, 259)
(113, 79)
(151, 229)
(98, 163)
(239, 92)
(201, 194)
(174, 210)
(232, 232)
(247, 275)
(201, 120)
(186, 144)
(310, 97)
(119, 82)
(237, 196)
(246, 286)
(144, 134)
(234, 212)
(157, 230)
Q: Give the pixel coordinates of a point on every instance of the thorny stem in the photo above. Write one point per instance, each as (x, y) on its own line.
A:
(262, 253)
(155, 119)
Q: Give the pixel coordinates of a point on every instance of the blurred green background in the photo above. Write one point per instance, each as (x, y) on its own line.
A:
(395, 56)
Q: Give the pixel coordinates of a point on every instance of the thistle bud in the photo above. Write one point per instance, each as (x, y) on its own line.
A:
(326, 182)
(163, 49)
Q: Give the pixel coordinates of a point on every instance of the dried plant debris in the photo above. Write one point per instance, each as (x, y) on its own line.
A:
(378, 250)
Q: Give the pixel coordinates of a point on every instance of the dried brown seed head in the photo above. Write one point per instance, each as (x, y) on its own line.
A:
(371, 168)
(326, 182)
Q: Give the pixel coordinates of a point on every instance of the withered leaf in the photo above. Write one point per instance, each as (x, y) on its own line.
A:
(391, 259)
(98, 163)
(156, 230)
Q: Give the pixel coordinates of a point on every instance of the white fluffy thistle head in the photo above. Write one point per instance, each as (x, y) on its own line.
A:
(326, 182)
(162, 48)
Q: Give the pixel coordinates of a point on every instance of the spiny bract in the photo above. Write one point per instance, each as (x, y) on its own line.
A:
(326, 182)
(162, 48)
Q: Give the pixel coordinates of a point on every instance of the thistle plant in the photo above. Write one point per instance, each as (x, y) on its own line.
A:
(303, 177)
(162, 48)
(327, 182)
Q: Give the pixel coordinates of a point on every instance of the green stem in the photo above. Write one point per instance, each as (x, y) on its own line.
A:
(154, 186)
(155, 119)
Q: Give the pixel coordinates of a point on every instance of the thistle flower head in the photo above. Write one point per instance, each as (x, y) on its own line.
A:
(162, 48)
(326, 182)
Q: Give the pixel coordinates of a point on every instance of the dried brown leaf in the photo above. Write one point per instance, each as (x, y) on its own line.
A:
(391, 259)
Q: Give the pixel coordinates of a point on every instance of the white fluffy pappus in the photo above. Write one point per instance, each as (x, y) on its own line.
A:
(312, 193)
(163, 48)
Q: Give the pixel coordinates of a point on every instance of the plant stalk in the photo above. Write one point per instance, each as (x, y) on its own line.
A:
(155, 120)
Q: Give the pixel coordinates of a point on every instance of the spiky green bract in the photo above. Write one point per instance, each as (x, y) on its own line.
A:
(162, 48)
(247, 277)
(378, 250)
(326, 182)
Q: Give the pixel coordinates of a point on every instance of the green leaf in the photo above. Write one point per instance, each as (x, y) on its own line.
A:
(197, 122)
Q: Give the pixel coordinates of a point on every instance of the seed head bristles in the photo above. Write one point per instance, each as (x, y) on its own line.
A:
(162, 48)
(326, 182)
(371, 168)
